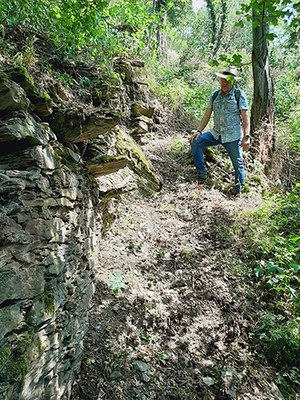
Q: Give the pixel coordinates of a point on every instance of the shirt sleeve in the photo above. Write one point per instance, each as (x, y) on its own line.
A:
(209, 102)
(243, 102)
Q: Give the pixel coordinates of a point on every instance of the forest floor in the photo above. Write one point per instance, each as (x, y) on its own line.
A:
(175, 302)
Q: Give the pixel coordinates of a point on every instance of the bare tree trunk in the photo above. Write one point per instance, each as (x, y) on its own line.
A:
(212, 14)
(157, 6)
(221, 26)
(263, 109)
(162, 41)
(218, 19)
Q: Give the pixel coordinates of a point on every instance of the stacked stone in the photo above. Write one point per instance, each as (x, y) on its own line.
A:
(56, 169)
(50, 224)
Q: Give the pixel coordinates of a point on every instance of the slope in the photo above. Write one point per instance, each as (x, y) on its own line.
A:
(174, 305)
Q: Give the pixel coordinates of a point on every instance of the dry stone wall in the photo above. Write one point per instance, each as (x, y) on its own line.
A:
(53, 207)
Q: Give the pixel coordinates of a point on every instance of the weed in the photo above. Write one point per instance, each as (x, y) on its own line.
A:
(118, 284)
(130, 246)
(164, 357)
(160, 254)
(14, 360)
(272, 238)
(177, 148)
(29, 57)
(145, 337)
(286, 379)
(280, 339)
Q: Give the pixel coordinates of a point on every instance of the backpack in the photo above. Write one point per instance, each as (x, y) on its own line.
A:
(237, 95)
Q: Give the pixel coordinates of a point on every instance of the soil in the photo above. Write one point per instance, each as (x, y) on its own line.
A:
(175, 303)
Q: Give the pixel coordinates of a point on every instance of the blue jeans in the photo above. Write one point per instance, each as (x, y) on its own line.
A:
(233, 149)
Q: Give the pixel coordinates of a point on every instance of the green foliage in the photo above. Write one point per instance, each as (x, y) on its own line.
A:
(282, 283)
(48, 299)
(294, 130)
(212, 32)
(281, 339)
(118, 286)
(286, 379)
(275, 230)
(179, 86)
(273, 237)
(14, 360)
(287, 84)
(102, 28)
(269, 10)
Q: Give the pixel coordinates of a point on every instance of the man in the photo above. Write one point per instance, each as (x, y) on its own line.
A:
(231, 127)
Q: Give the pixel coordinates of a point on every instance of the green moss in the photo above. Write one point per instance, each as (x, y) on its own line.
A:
(14, 360)
(127, 146)
(40, 346)
(48, 299)
(5, 353)
(21, 75)
(25, 342)
(17, 367)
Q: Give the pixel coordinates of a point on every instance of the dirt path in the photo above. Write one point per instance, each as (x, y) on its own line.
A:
(173, 306)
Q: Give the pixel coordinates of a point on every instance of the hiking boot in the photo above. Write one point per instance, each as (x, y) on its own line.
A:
(237, 190)
(202, 177)
(195, 176)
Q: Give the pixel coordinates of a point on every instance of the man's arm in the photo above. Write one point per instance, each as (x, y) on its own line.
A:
(202, 124)
(246, 130)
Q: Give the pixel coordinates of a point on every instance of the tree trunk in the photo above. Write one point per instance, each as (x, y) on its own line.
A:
(263, 109)
(158, 6)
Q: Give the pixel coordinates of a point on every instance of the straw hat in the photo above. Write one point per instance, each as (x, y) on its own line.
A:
(230, 71)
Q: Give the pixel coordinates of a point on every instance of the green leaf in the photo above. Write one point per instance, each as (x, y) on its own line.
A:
(214, 63)
(145, 336)
(271, 267)
(236, 60)
(164, 357)
(271, 36)
(259, 272)
(230, 79)
(240, 24)
(295, 239)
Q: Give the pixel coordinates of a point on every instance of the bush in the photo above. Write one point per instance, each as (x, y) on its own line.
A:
(180, 86)
(280, 339)
(272, 237)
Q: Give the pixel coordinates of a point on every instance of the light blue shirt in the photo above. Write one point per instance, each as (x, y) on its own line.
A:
(227, 118)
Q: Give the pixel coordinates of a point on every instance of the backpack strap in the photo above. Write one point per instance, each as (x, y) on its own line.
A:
(214, 96)
(237, 94)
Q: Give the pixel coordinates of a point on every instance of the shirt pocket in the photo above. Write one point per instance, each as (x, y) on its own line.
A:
(231, 105)
(217, 105)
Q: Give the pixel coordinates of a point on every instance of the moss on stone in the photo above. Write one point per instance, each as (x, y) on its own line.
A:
(18, 367)
(21, 75)
(5, 353)
(127, 146)
(48, 299)
(40, 346)
(35, 93)
(14, 360)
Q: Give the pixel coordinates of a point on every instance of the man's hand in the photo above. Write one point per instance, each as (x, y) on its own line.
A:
(195, 135)
(246, 143)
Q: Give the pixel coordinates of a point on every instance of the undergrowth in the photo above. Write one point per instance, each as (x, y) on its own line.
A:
(272, 239)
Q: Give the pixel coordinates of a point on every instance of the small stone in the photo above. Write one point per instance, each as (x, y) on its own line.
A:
(141, 366)
(208, 380)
